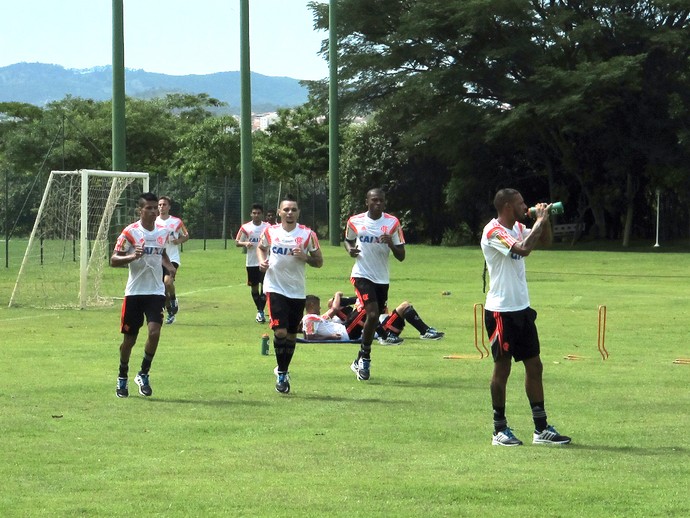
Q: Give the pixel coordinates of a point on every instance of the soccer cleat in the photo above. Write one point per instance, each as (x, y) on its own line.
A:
(260, 317)
(143, 381)
(121, 390)
(361, 368)
(549, 435)
(391, 339)
(432, 334)
(505, 438)
(170, 319)
(282, 381)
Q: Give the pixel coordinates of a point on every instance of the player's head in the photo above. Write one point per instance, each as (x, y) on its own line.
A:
(312, 304)
(164, 204)
(257, 213)
(289, 209)
(376, 202)
(147, 207)
(509, 203)
(271, 216)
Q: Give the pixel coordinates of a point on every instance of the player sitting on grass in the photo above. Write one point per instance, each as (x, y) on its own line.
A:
(348, 311)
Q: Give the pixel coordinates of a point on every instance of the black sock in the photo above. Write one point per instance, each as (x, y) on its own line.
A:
(365, 352)
(282, 358)
(411, 316)
(538, 415)
(262, 302)
(257, 301)
(289, 352)
(146, 363)
(500, 421)
(124, 370)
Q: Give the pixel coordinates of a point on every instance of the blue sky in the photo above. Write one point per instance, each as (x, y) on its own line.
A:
(167, 36)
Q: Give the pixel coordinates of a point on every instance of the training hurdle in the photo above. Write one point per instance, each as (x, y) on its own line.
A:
(601, 333)
(484, 351)
(478, 331)
(601, 337)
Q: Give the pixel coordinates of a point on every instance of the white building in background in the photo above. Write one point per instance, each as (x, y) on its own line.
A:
(261, 121)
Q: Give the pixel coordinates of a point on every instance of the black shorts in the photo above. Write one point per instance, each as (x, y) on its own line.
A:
(393, 323)
(513, 333)
(368, 291)
(284, 312)
(355, 323)
(254, 276)
(136, 307)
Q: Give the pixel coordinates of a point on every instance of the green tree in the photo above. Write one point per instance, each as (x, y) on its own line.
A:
(588, 98)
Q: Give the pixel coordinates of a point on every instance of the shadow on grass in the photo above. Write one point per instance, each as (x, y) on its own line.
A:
(635, 450)
(204, 402)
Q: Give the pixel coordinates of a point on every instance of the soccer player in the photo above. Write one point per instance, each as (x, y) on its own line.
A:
(178, 235)
(284, 251)
(321, 327)
(390, 325)
(510, 321)
(271, 217)
(141, 246)
(248, 237)
(370, 237)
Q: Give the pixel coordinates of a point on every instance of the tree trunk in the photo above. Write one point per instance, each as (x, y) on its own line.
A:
(629, 200)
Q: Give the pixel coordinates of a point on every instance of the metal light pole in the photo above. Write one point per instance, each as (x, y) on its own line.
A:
(658, 193)
(334, 231)
(119, 153)
(246, 187)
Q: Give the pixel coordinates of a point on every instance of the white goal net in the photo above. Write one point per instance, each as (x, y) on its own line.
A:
(66, 258)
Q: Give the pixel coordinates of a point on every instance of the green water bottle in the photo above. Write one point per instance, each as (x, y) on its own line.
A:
(556, 208)
(264, 344)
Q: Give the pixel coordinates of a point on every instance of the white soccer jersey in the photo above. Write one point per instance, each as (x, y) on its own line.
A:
(372, 261)
(318, 325)
(285, 274)
(508, 282)
(145, 273)
(175, 228)
(252, 233)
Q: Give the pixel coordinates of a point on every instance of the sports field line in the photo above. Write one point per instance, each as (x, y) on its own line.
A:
(214, 288)
(51, 314)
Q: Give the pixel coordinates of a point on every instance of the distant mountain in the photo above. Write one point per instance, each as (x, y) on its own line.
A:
(39, 84)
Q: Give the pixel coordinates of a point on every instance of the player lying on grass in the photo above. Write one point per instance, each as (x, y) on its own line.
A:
(349, 312)
(317, 327)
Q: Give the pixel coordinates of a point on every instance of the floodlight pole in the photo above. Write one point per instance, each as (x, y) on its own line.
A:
(246, 189)
(658, 194)
(119, 153)
(334, 231)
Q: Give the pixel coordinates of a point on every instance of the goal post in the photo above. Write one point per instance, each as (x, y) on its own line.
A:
(68, 249)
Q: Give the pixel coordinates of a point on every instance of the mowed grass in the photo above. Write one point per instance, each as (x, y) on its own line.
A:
(217, 440)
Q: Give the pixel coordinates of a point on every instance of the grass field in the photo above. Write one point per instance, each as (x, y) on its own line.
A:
(217, 440)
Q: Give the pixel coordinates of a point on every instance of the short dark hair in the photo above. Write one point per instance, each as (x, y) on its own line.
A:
(147, 196)
(257, 206)
(166, 198)
(504, 196)
(312, 299)
(289, 197)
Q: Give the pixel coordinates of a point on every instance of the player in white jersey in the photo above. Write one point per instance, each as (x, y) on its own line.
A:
(370, 237)
(248, 237)
(178, 235)
(284, 251)
(510, 321)
(321, 327)
(141, 246)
